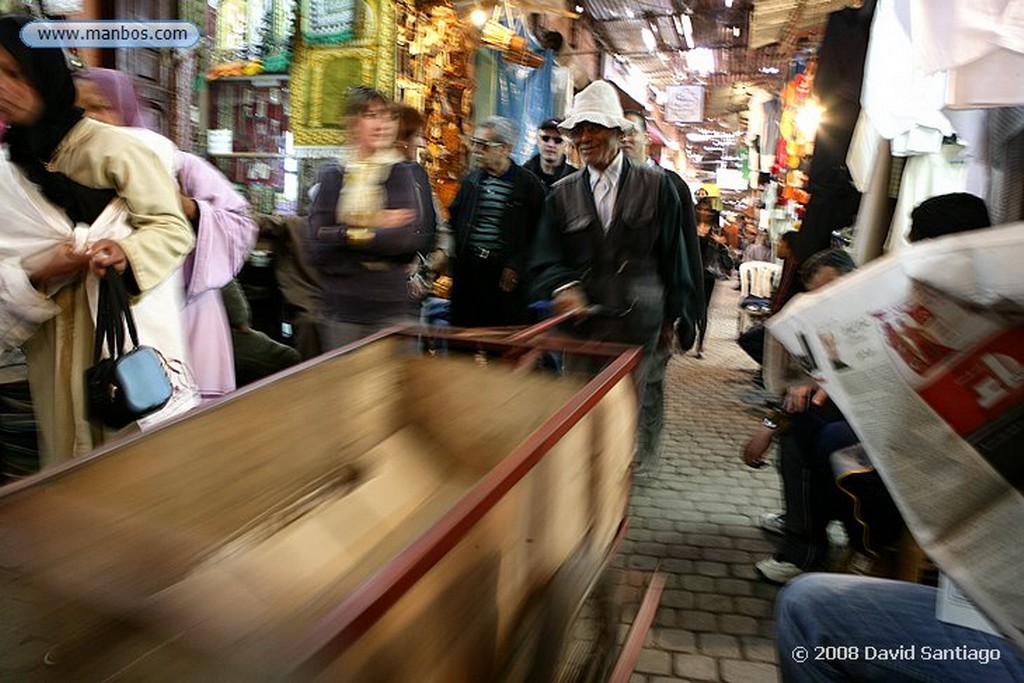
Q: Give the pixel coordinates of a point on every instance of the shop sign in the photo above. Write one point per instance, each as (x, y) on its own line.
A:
(684, 103)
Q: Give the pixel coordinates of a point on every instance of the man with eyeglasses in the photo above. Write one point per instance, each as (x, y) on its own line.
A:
(493, 219)
(610, 235)
(549, 164)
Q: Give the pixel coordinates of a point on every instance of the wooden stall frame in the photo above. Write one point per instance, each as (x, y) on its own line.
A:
(346, 623)
(357, 613)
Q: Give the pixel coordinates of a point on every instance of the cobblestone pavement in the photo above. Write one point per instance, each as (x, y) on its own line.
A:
(695, 519)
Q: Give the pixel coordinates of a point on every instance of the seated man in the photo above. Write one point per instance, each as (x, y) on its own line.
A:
(815, 429)
(810, 490)
(852, 613)
(752, 339)
(256, 355)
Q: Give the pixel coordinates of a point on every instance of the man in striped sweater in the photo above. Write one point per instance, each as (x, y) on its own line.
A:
(494, 219)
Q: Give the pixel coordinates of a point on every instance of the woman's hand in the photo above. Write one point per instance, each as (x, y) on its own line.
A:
(189, 208)
(393, 218)
(53, 263)
(105, 254)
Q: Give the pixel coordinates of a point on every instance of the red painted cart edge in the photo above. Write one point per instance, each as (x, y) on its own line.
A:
(363, 607)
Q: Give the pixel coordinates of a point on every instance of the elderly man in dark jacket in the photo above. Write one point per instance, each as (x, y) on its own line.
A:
(493, 219)
(611, 235)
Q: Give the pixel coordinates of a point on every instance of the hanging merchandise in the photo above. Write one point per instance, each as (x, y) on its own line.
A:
(322, 75)
(276, 36)
(433, 76)
(524, 96)
(506, 32)
(328, 22)
(251, 37)
(514, 79)
(798, 121)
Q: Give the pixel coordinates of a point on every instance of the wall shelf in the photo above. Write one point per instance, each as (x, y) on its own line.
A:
(258, 78)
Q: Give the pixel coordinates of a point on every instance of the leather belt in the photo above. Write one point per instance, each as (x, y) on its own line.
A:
(481, 253)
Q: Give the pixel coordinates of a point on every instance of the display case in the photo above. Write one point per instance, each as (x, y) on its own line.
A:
(248, 138)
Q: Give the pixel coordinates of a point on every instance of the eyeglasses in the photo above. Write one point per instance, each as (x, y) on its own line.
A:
(551, 138)
(489, 144)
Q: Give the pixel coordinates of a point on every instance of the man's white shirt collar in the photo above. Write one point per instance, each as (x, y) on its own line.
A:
(613, 172)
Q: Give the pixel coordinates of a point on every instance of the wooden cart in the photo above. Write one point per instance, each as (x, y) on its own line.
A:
(375, 514)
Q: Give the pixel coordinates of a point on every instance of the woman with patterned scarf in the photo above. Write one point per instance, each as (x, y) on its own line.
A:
(225, 233)
(371, 214)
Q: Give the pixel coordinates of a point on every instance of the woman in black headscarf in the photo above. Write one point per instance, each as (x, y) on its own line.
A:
(80, 197)
(39, 106)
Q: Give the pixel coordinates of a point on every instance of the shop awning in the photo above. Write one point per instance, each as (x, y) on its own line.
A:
(626, 99)
(657, 136)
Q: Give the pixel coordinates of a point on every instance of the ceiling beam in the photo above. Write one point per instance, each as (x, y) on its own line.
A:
(788, 35)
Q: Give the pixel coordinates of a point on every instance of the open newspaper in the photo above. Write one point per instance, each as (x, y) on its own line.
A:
(923, 351)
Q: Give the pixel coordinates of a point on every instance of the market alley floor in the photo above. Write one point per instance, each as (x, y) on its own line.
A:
(695, 519)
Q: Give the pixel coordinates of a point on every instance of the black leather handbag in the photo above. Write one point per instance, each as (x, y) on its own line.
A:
(127, 385)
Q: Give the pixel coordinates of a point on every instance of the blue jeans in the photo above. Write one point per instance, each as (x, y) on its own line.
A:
(845, 623)
(808, 485)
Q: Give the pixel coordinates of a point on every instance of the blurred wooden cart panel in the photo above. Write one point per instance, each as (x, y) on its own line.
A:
(372, 515)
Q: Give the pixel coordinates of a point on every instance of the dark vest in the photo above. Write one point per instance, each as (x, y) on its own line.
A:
(619, 268)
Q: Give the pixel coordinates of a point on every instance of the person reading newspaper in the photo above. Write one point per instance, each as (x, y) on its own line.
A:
(934, 387)
(808, 428)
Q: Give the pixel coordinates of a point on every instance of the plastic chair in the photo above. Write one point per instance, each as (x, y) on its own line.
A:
(758, 280)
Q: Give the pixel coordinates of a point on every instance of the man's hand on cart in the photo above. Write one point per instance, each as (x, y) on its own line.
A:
(570, 298)
(509, 280)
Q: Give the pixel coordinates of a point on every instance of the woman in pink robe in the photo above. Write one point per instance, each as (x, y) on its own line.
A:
(220, 216)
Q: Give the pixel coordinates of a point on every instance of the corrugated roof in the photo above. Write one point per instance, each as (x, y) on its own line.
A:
(772, 19)
(749, 40)
(752, 43)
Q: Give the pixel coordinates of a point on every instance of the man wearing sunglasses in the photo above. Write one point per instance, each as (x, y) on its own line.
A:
(494, 219)
(549, 164)
(610, 235)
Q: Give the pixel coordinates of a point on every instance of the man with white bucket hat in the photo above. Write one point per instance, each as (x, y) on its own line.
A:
(610, 236)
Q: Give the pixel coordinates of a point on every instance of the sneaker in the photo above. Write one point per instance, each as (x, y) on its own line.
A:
(773, 522)
(777, 571)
